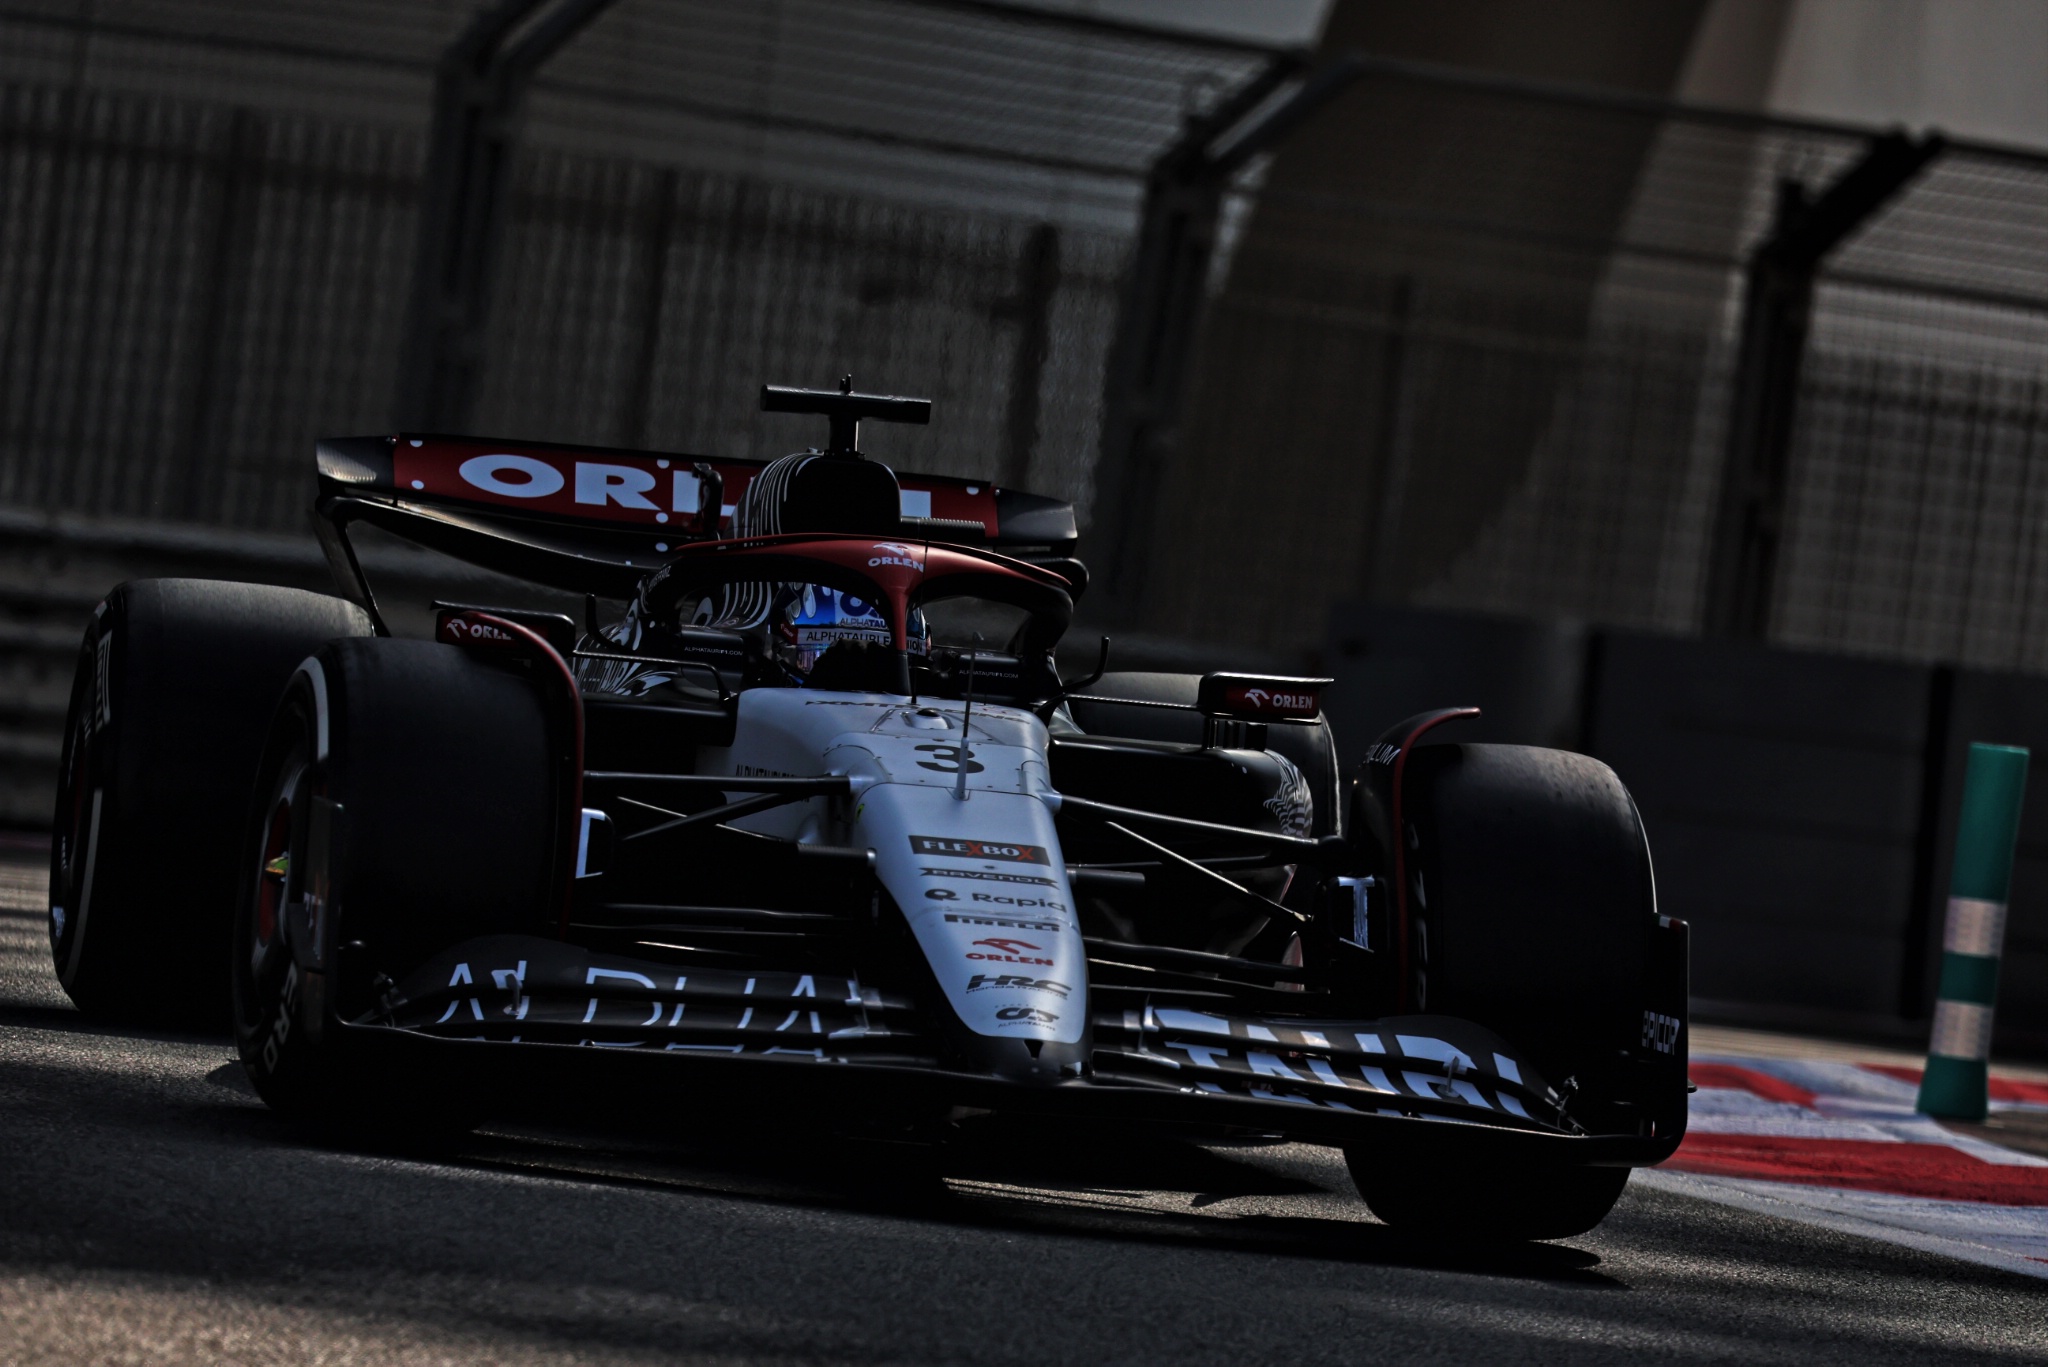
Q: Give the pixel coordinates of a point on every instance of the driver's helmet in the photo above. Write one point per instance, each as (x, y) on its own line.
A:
(809, 619)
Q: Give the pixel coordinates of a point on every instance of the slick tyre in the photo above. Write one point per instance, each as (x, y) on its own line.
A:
(1531, 899)
(175, 684)
(1485, 1205)
(405, 803)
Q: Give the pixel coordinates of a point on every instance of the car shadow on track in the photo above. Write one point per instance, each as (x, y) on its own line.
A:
(1118, 1184)
(68, 1019)
(1059, 1180)
(1076, 1183)
(1114, 1183)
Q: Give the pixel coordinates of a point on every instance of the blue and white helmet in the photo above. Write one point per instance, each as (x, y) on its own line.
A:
(810, 619)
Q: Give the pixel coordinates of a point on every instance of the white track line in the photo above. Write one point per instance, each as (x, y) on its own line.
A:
(2012, 1238)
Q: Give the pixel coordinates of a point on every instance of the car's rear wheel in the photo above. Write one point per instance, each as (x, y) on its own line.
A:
(174, 688)
(406, 802)
(1464, 1203)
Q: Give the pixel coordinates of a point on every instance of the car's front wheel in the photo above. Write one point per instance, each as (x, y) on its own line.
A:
(405, 802)
(1469, 1204)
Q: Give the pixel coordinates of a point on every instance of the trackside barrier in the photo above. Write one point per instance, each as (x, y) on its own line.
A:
(1955, 1084)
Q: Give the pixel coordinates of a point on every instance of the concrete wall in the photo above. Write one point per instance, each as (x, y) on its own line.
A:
(1527, 678)
(1782, 792)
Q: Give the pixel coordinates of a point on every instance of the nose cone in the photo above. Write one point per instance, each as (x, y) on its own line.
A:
(983, 887)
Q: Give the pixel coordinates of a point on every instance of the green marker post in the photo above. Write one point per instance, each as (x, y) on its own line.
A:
(1956, 1083)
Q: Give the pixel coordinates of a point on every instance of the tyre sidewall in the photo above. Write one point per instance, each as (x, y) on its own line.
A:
(78, 826)
(279, 1044)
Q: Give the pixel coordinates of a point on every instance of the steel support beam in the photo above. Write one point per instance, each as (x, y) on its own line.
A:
(480, 84)
(1164, 293)
(1030, 308)
(1777, 312)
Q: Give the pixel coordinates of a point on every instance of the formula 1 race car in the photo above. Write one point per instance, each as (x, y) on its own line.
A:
(794, 812)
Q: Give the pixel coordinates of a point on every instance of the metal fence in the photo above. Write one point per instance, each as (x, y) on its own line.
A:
(645, 305)
(1465, 344)
(207, 236)
(190, 295)
(1475, 348)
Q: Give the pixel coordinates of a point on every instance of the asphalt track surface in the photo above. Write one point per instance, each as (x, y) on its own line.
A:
(151, 1211)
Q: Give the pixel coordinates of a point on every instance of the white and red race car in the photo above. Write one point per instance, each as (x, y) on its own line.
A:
(801, 814)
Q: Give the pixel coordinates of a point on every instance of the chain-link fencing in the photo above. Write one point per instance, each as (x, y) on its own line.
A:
(935, 196)
(1475, 349)
(1467, 343)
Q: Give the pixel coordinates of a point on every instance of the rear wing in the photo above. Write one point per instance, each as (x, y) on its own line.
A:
(597, 520)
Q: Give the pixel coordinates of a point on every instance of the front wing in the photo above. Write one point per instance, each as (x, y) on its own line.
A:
(530, 1017)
